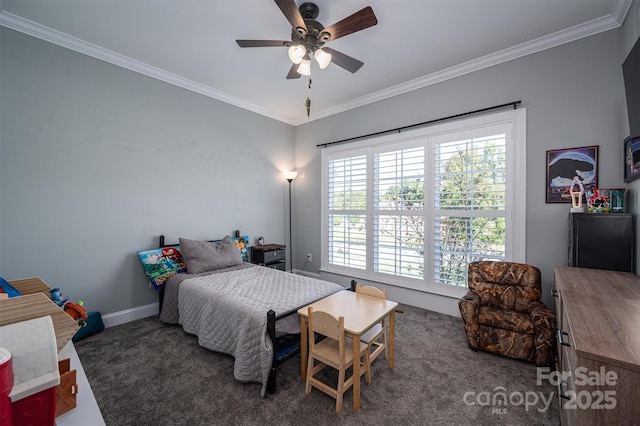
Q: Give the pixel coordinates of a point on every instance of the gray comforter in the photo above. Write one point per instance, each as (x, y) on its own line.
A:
(227, 310)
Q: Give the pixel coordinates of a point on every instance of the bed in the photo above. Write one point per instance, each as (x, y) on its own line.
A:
(241, 309)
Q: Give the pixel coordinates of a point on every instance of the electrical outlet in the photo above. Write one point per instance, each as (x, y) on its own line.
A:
(308, 257)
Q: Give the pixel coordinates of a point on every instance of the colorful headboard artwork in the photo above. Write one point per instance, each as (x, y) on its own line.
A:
(161, 263)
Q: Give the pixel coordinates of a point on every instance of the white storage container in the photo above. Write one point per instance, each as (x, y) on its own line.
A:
(33, 348)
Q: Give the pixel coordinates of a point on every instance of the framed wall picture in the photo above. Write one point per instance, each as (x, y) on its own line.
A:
(563, 165)
(631, 158)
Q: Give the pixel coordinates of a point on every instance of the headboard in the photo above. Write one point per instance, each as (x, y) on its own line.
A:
(242, 242)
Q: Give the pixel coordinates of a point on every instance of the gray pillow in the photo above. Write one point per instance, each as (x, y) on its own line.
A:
(204, 256)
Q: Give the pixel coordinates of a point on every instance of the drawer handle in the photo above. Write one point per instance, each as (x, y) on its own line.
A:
(561, 393)
(554, 292)
(561, 335)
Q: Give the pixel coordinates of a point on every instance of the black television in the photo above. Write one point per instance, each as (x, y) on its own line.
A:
(631, 72)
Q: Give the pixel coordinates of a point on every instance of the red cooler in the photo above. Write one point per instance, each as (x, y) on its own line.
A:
(6, 384)
(34, 361)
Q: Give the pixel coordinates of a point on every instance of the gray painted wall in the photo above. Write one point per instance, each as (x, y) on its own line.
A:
(96, 161)
(574, 96)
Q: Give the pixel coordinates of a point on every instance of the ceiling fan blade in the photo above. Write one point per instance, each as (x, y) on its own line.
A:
(345, 61)
(291, 12)
(360, 20)
(263, 43)
(293, 72)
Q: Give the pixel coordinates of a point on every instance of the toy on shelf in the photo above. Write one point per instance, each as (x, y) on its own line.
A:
(598, 200)
(56, 296)
(74, 310)
(90, 322)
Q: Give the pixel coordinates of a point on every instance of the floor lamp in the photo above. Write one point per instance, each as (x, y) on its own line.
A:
(290, 176)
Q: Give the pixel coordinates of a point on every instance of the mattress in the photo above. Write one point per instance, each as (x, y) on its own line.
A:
(227, 311)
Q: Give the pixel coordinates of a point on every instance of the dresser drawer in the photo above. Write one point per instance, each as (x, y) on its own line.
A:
(273, 256)
(265, 255)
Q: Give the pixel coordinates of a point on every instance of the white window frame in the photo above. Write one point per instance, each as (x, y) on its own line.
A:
(428, 136)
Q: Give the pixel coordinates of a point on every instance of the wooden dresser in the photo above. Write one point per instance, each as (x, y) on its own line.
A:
(598, 315)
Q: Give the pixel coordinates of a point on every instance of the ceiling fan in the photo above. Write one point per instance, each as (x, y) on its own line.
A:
(308, 37)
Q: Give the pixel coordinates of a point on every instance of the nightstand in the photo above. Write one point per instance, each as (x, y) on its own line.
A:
(269, 255)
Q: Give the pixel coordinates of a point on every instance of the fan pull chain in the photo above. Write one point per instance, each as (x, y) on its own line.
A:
(308, 101)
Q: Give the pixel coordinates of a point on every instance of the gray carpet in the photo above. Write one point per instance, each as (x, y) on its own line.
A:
(149, 373)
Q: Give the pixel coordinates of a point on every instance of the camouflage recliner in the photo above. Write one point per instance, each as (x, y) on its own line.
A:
(502, 312)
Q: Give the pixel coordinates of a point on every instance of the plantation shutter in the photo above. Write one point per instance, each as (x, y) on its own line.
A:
(470, 199)
(413, 209)
(347, 191)
(398, 216)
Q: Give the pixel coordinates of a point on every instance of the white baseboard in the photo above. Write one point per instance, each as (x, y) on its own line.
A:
(128, 315)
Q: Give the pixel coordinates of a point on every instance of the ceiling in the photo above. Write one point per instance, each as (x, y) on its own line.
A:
(191, 43)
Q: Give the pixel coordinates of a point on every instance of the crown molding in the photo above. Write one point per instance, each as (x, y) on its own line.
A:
(614, 20)
(34, 29)
(593, 27)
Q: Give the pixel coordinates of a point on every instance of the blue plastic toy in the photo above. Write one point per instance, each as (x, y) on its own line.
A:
(56, 296)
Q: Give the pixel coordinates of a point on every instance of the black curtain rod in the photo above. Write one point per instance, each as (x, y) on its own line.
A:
(424, 123)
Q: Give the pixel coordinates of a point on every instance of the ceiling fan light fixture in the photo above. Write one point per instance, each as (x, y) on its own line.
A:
(305, 67)
(323, 58)
(296, 53)
(308, 37)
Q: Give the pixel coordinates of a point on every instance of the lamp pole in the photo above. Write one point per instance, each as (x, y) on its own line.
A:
(290, 176)
(290, 237)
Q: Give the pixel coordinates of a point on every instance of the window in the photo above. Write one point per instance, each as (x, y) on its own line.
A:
(347, 217)
(398, 212)
(469, 202)
(414, 208)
